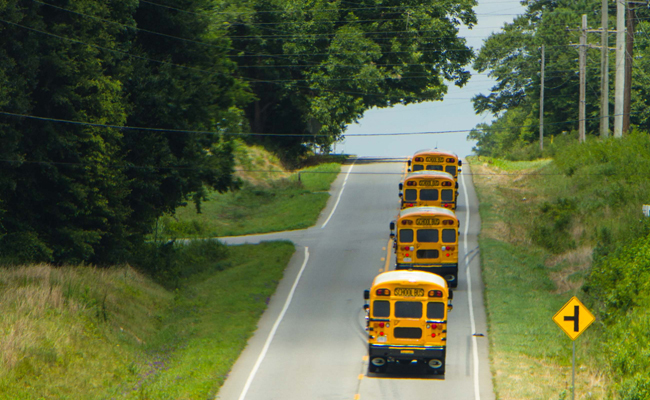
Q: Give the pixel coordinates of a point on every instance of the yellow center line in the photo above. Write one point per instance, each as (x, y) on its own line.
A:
(357, 397)
(360, 376)
(388, 246)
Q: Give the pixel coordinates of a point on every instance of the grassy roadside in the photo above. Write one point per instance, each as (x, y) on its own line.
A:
(526, 284)
(81, 332)
(267, 201)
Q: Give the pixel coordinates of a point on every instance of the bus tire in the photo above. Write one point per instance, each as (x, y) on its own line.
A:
(452, 280)
(436, 367)
(378, 366)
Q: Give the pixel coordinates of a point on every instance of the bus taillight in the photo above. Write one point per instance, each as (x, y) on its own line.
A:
(383, 292)
(446, 184)
(451, 160)
(435, 293)
(417, 159)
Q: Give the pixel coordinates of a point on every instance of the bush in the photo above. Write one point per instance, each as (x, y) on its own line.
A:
(171, 263)
(551, 228)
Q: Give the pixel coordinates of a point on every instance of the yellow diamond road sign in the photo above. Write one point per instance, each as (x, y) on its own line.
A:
(574, 318)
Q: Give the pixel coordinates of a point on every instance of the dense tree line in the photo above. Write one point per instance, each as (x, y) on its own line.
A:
(115, 112)
(316, 66)
(512, 57)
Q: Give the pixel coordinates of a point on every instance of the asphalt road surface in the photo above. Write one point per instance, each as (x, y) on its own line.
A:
(311, 342)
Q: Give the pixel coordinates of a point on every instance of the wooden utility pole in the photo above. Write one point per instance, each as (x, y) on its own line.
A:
(541, 105)
(619, 88)
(604, 72)
(629, 45)
(583, 79)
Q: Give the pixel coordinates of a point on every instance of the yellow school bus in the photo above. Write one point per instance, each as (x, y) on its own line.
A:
(406, 320)
(428, 188)
(436, 160)
(427, 239)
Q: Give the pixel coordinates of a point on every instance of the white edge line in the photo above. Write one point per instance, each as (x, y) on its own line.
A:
(477, 392)
(340, 193)
(274, 329)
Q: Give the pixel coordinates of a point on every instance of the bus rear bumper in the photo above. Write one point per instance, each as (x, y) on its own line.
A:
(394, 353)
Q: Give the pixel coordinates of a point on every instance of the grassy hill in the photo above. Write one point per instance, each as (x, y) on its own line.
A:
(170, 325)
(560, 227)
(271, 198)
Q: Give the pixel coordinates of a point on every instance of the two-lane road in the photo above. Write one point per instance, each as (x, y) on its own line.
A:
(311, 343)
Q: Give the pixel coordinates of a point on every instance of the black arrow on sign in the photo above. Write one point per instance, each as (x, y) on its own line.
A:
(575, 318)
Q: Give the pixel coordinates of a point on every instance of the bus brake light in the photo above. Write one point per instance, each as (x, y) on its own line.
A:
(451, 160)
(433, 335)
(417, 159)
(434, 326)
(435, 293)
(381, 324)
(383, 292)
(446, 184)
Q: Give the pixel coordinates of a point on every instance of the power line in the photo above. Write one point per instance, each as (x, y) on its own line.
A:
(180, 131)
(245, 79)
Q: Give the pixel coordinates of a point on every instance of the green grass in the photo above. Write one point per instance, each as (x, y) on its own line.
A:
(88, 333)
(277, 205)
(525, 285)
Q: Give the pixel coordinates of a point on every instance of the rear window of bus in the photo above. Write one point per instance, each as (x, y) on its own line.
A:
(427, 235)
(435, 310)
(410, 194)
(406, 235)
(429, 194)
(447, 195)
(448, 235)
(408, 309)
(381, 308)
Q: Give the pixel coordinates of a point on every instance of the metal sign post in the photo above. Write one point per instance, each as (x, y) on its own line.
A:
(574, 318)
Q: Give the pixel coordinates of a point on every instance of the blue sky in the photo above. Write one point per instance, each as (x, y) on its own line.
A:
(454, 113)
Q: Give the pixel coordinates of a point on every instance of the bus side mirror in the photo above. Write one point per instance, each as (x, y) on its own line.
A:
(451, 294)
(449, 307)
(366, 296)
(401, 194)
(400, 186)
(460, 162)
(392, 225)
(460, 170)
(408, 170)
(392, 235)
(409, 163)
